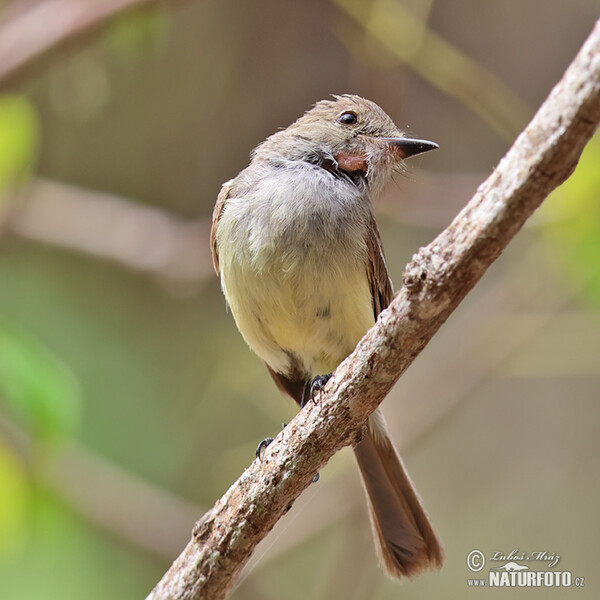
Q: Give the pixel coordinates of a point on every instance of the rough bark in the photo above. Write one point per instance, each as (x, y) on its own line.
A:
(435, 281)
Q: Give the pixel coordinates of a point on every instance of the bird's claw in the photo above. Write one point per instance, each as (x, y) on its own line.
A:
(316, 385)
(260, 449)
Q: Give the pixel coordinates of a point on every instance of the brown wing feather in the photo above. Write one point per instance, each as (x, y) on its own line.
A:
(291, 385)
(218, 210)
(379, 279)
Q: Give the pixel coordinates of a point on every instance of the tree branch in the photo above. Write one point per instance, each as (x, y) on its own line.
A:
(393, 25)
(114, 228)
(435, 282)
(30, 31)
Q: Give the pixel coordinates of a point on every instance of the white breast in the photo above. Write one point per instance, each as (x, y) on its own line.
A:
(293, 266)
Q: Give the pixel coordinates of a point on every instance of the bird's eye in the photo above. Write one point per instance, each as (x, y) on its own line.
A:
(347, 118)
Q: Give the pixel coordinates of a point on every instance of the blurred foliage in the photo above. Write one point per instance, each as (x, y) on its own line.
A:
(14, 501)
(138, 34)
(36, 386)
(573, 228)
(163, 105)
(19, 141)
(403, 35)
(57, 537)
(80, 89)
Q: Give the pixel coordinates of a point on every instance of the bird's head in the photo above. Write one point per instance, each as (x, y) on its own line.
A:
(350, 135)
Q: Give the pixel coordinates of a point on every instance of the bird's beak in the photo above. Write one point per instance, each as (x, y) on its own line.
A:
(407, 147)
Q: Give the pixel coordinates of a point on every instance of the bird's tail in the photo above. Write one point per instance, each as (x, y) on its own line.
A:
(406, 541)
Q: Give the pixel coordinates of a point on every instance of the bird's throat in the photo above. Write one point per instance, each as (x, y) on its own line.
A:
(351, 163)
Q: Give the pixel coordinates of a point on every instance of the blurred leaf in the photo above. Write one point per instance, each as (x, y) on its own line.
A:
(67, 558)
(138, 33)
(573, 228)
(80, 87)
(14, 496)
(405, 36)
(19, 140)
(37, 386)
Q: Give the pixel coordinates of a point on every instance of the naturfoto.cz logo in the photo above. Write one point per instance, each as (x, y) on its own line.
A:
(520, 569)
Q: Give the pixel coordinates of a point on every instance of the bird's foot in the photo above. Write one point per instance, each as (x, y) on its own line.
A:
(312, 389)
(260, 450)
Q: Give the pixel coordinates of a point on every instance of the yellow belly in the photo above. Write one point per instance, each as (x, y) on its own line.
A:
(317, 312)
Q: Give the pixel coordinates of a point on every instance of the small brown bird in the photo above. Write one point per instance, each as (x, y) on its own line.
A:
(302, 268)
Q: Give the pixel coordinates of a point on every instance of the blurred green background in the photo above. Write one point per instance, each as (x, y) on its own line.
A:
(129, 402)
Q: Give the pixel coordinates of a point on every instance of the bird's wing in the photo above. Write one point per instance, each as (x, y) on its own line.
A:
(218, 210)
(379, 279)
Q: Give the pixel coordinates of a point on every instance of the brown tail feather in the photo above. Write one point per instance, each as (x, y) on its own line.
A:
(407, 543)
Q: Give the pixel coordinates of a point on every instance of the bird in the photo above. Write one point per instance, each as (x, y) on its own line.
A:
(301, 264)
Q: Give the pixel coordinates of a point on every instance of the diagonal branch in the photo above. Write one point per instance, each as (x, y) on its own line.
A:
(32, 30)
(435, 282)
(409, 40)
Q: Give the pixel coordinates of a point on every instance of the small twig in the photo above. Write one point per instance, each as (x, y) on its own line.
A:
(435, 282)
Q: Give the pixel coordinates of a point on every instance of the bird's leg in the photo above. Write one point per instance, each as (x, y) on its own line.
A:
(312, 388)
